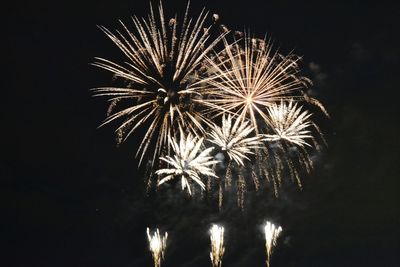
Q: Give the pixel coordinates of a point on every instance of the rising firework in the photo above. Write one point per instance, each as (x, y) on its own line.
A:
(246, 80)
(157, 245)
(217, 245)
(164, 57)
(271, 234)
(189, 162)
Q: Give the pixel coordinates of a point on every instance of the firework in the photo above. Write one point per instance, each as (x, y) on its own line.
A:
(246, 80)
(271, 234)
(163, 59)
(189, 162)
(289, 123)
(287, 146)
(234, 139)
(175, 86)
(157, 246)
(217, 245)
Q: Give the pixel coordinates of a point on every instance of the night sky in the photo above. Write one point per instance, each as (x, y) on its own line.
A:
(71, 197)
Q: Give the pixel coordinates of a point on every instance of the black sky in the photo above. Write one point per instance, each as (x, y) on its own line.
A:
(72, 198)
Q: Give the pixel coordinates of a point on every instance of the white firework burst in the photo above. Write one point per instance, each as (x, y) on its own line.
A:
(234, 138)
(188, 162)
(163, 59)
(289, 123)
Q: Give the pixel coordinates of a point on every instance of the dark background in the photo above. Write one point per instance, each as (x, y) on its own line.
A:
(72, 198)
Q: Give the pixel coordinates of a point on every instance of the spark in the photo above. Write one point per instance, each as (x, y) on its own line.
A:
(188, 161)
(217, 245)
(157, 246)
(271, 234)
(233, 139)
(244, 81)
(164, 57)
(289, 123)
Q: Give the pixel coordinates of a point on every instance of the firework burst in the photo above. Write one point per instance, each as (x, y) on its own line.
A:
(286, 149)
(246, 80)
(175, 86)
(289, 123)
(271, 234)
(234, 139)
(163, 59)
(189, 162)
(157, 246)
(217, 245)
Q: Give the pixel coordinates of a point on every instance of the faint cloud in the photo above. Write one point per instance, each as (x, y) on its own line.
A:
(319, 77)
(359, 53)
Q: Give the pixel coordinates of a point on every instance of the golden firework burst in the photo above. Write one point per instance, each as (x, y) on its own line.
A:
(246, 80)
(163, 59)
(176, 87)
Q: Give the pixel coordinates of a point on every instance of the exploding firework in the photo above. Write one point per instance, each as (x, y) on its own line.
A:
(217, 245)
(164, 57)
(175, 87)
(189, 162)
(157, 246)
(286, 147)
(249, 79)
(289, 123)
(271, 234)
(234, 139)
(246, 80)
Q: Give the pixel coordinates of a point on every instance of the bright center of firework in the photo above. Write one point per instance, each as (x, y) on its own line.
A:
(249, 100)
